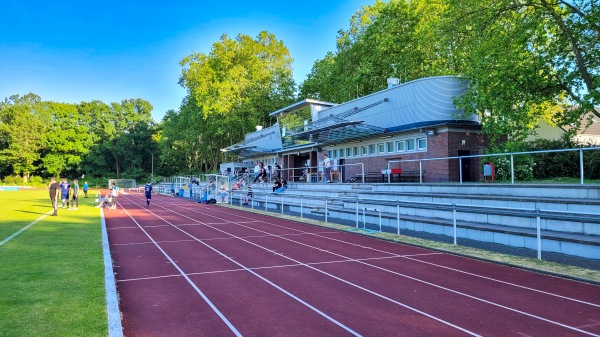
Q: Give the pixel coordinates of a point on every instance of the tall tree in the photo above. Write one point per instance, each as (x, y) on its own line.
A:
(23, 122)
(230, 91)
(387, 39)
(524, 58)
(67, 140)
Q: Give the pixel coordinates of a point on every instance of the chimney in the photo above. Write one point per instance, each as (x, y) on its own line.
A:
(392, 82)
(258, 127)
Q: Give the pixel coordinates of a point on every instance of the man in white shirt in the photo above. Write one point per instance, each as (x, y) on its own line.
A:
(327, 168)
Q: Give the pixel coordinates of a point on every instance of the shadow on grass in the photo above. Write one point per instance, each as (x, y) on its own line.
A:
(30, 212)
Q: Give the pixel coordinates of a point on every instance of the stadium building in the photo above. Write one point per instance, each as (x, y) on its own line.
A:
(398, 125)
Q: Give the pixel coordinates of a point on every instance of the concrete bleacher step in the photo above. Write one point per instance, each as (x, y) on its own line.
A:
(425, 207)
(555, 241)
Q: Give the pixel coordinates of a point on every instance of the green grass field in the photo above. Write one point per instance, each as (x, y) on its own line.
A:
(51, 274)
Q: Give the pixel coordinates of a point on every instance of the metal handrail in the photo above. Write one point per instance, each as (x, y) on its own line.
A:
(272, 198)
(511, 154)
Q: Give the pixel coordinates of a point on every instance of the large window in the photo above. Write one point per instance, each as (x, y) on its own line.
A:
(355, 152)
(348, 152)
(372, 149)
(422, 144)
(410, 144)
(389, 146)
(380, 148)
(364, 150)
(400, 146)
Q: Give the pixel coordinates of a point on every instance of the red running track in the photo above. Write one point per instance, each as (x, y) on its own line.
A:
(188, 269)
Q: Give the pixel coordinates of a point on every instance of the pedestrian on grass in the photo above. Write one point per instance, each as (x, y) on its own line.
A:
(75, 195)
(54, 188)
(64, 192)
(85, 188)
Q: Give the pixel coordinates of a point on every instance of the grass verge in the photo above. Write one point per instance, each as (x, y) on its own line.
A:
(51, 274)
(553, 268)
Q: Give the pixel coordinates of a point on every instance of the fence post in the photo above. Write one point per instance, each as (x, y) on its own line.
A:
(460, 169)
(282, 204)
(266, 200)
(420, 172)
(326, 209)
(301, 208)
(398, 215)
(357, 214)
(581, 166)
(454, 221)
(539, 234)
(380, 219)
(512, 169)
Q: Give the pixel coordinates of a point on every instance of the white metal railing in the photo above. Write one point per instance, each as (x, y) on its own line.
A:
(285, 199)
(312, 174)
(510, 154)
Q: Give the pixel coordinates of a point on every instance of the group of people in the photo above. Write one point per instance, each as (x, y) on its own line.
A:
(110, 199)
(69, 194)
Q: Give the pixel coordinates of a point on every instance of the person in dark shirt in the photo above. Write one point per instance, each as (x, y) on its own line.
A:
(276, 184)
(148, 191)
(64, 191)
(54, 188)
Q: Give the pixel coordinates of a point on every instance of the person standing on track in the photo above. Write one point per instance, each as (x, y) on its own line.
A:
(148, 189)
(54, 188)
(115, 193)
(64, 192)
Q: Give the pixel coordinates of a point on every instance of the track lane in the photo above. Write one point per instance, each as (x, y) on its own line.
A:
(212, 216)
(555, 319)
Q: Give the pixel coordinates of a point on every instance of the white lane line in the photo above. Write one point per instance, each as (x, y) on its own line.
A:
(115, 329)
(322, 272)
(24, 228)
(427, 283)
(331, 319)
(204, 297)
(437, 265)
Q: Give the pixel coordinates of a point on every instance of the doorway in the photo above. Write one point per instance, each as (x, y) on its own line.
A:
(466, 165)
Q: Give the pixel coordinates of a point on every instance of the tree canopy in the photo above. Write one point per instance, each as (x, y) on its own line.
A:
(525, 59)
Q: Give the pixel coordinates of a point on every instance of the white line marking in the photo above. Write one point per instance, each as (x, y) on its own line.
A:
(320, 271)
(418, 280)
(206, 299)
(24, 228)
(438, 265)
(115, 329)
(324, 315)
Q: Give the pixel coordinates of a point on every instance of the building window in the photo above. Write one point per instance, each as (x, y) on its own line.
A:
(410, 144)
(364, 150)
(372, 149)
(380, 148)
(329, 153)
(422, 143)
(400, 146)
(335, 154)
(355, 151)
(348, 152)
(389, 146)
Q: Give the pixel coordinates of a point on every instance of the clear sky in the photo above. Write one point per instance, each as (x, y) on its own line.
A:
(74, 51)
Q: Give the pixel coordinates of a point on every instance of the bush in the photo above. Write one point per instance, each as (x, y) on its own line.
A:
(523, 167)
(13, 180)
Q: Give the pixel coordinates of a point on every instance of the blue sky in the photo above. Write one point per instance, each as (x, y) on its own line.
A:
(74, 51)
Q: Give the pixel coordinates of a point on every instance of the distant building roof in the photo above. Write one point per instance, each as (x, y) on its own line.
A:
(299, 105)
